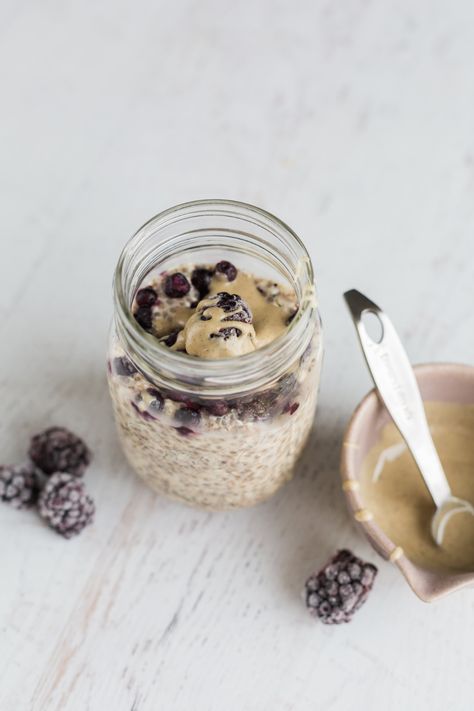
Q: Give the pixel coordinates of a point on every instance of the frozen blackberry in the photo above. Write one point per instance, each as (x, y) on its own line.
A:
(201, 280)
(59, 450)
(122, 366)
(19, 485)
(144, 317)
(340, 588)
(227, 269)
(64, 504)
(146, 296)
(176, 285)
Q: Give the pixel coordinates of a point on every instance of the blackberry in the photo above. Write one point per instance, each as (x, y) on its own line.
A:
(260, 407)
(122, 366)
(59, 450)
(64, 504)
(340, 588)
(176, 285)
(146, 296)
(19, 485)
(144, 317)
(227, 269)
(201, 280)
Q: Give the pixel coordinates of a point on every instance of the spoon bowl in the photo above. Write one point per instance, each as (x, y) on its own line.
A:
(393, 376)
(449, 383)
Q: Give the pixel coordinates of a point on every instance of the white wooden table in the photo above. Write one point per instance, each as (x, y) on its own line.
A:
(353, 121)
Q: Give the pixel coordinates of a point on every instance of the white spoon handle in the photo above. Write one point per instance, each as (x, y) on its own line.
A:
(394, 378)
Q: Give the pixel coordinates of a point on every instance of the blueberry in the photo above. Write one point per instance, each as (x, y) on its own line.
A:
(176, 396)
(176, 285)
(201, 280)
(256, 409)
(188, 416)
(157, 404)
(219, 408)
(146, 296)
(226, 333)
(142, 413)
(143, 317)
(123, 366)
(291, 409)
(292, 316)
(171, 338)
(184, 431)
(227, 269)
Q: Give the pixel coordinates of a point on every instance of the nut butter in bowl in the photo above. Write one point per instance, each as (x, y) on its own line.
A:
(215, 353)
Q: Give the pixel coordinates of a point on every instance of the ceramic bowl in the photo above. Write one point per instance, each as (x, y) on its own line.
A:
(441, 382)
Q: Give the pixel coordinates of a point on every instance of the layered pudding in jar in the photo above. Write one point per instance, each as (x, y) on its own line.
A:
(223, 446)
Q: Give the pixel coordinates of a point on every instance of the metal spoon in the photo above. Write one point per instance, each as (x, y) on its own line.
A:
(394, 378)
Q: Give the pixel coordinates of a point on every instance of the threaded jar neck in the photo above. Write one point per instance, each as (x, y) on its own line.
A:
(202, 232)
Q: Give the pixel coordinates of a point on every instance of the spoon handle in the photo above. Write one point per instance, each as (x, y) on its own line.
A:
(394, 378)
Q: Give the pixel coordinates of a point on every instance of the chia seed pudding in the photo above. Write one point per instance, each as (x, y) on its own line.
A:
(194, 443)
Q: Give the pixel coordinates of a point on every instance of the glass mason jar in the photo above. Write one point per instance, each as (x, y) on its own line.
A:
(255, 410)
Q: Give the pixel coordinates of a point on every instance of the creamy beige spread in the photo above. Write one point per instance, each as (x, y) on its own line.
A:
(231, 317)
(394, 491)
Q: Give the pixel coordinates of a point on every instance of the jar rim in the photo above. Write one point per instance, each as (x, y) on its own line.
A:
(216, 374)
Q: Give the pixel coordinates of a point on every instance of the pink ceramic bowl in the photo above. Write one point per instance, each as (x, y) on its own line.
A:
(438, 382)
